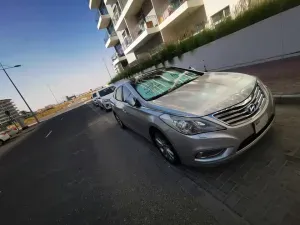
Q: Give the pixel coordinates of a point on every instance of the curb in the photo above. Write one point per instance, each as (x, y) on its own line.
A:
(287, 99)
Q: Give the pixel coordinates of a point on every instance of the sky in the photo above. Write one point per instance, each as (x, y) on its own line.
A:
(58, 45)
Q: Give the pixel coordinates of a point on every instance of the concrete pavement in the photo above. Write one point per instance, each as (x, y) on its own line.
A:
(281, 76)
(81, 168)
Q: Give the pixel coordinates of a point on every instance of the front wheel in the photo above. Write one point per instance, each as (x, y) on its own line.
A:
(165, 148)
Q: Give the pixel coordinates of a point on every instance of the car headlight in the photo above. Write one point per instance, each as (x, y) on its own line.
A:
(190, 126)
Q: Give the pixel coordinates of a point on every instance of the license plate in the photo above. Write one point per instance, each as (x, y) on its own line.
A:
(261, 123)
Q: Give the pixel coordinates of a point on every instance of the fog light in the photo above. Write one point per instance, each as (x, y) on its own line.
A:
(210, 153)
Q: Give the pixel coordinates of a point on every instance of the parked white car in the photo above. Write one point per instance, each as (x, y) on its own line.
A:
(12, 132)
(4, 136)
(95, 97)
(105, 95)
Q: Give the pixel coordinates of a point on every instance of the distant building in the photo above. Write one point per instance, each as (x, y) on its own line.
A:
(70, 98)
(7, 105)
(25, 114)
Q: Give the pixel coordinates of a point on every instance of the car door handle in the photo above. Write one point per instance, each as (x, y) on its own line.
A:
(124, 111)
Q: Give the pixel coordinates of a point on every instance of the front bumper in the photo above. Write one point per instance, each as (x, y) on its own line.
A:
(221, 146)
(5, 137)
(106, 105)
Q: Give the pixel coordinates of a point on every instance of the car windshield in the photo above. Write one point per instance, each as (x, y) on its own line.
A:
(162, 82)
(106, 91)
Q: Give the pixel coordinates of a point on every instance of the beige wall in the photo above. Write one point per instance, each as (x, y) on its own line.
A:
(214, 6)
(155, 41)
(160, 6)
(185, 27)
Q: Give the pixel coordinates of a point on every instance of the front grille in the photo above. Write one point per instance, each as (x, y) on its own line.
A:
(253, 136)
(243, 111)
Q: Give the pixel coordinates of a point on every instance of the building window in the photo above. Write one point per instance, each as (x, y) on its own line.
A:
(102, 8)
(221, 15)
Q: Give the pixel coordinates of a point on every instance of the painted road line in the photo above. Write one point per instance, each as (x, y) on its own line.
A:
(48, 134)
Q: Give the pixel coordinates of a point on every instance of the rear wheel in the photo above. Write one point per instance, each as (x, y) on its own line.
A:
(119, 121)
(165, 148)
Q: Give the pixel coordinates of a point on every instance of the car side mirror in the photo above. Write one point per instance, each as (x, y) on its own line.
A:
(134, 102)
(137, 103)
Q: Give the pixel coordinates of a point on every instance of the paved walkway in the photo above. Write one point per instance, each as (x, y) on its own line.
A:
(263, 185)
(282, 76)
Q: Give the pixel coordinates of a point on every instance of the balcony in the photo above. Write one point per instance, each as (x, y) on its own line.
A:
(128, 8)
(103, 19)
(111, 40)
(94, 4)
(143, 31)
(175, 12)
(116, 58)
(118, 18)
(109, 2)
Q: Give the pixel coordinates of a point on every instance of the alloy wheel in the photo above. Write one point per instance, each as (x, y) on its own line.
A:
(165, 148)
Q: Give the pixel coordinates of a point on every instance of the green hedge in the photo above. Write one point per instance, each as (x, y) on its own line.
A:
(247, 18)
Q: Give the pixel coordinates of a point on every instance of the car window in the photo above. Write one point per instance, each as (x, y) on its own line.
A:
(106, 91)
(94, 95)
(126, 93)
(127, 96)
(118, 94)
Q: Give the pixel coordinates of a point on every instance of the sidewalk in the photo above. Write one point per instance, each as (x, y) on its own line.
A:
(263, 185)
(281, 76)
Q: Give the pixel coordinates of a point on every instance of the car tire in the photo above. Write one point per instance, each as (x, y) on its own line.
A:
(165, 148)
(121, 124)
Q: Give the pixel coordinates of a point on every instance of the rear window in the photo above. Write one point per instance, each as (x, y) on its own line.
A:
(107, 91)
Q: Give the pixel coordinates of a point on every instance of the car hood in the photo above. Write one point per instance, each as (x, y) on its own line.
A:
(209, 93)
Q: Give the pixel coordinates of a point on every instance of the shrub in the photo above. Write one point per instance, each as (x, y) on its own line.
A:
(243, 19)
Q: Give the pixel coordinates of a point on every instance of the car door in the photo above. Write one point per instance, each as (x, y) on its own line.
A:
(119, 105)
(135, 117)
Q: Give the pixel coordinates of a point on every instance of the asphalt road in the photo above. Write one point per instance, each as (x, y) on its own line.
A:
(81, 168)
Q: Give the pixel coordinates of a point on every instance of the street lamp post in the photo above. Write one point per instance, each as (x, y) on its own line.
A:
(4, 69)
(106, 68)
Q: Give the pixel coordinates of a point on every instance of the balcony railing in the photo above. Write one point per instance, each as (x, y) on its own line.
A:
(127, 42)
(119, 10)
(116, 17)
(116, 56)
(122, 3)
(168, 9)
(148, 22)
(107, 36)
(100, 12)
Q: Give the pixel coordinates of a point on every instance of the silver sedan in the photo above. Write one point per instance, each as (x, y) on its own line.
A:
(195, 118)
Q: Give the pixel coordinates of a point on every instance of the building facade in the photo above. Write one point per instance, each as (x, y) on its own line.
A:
(137, 28)
(7, 105)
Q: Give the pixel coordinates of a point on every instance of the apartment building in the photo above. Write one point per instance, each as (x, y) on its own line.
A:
(7, 105)
(135, 28)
